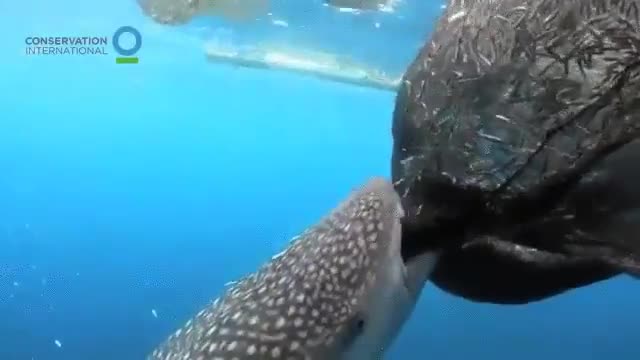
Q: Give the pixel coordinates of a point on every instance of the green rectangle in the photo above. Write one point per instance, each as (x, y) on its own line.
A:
(127, 60)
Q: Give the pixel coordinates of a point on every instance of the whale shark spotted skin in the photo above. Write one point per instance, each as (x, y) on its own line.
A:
(340, 291)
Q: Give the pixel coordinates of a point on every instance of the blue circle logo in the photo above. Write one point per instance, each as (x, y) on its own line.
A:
(116, 40)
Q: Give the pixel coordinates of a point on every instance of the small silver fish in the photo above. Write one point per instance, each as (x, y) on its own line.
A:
(340, 291)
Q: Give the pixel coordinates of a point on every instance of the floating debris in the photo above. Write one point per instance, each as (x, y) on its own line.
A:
(321, 65)
(178, 12)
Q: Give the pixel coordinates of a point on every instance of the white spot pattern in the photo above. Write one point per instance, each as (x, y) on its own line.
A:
(300, 304)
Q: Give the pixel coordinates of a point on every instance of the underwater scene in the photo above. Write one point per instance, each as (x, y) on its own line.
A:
(320, 179)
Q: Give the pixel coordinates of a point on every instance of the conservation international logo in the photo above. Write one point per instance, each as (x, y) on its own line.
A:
(88, 45)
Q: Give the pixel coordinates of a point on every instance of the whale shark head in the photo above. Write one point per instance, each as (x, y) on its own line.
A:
(339, 291)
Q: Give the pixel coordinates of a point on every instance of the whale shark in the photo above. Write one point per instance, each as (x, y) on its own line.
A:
(339, 291)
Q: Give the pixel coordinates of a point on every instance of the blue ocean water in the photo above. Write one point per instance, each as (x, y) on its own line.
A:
(129, 195)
